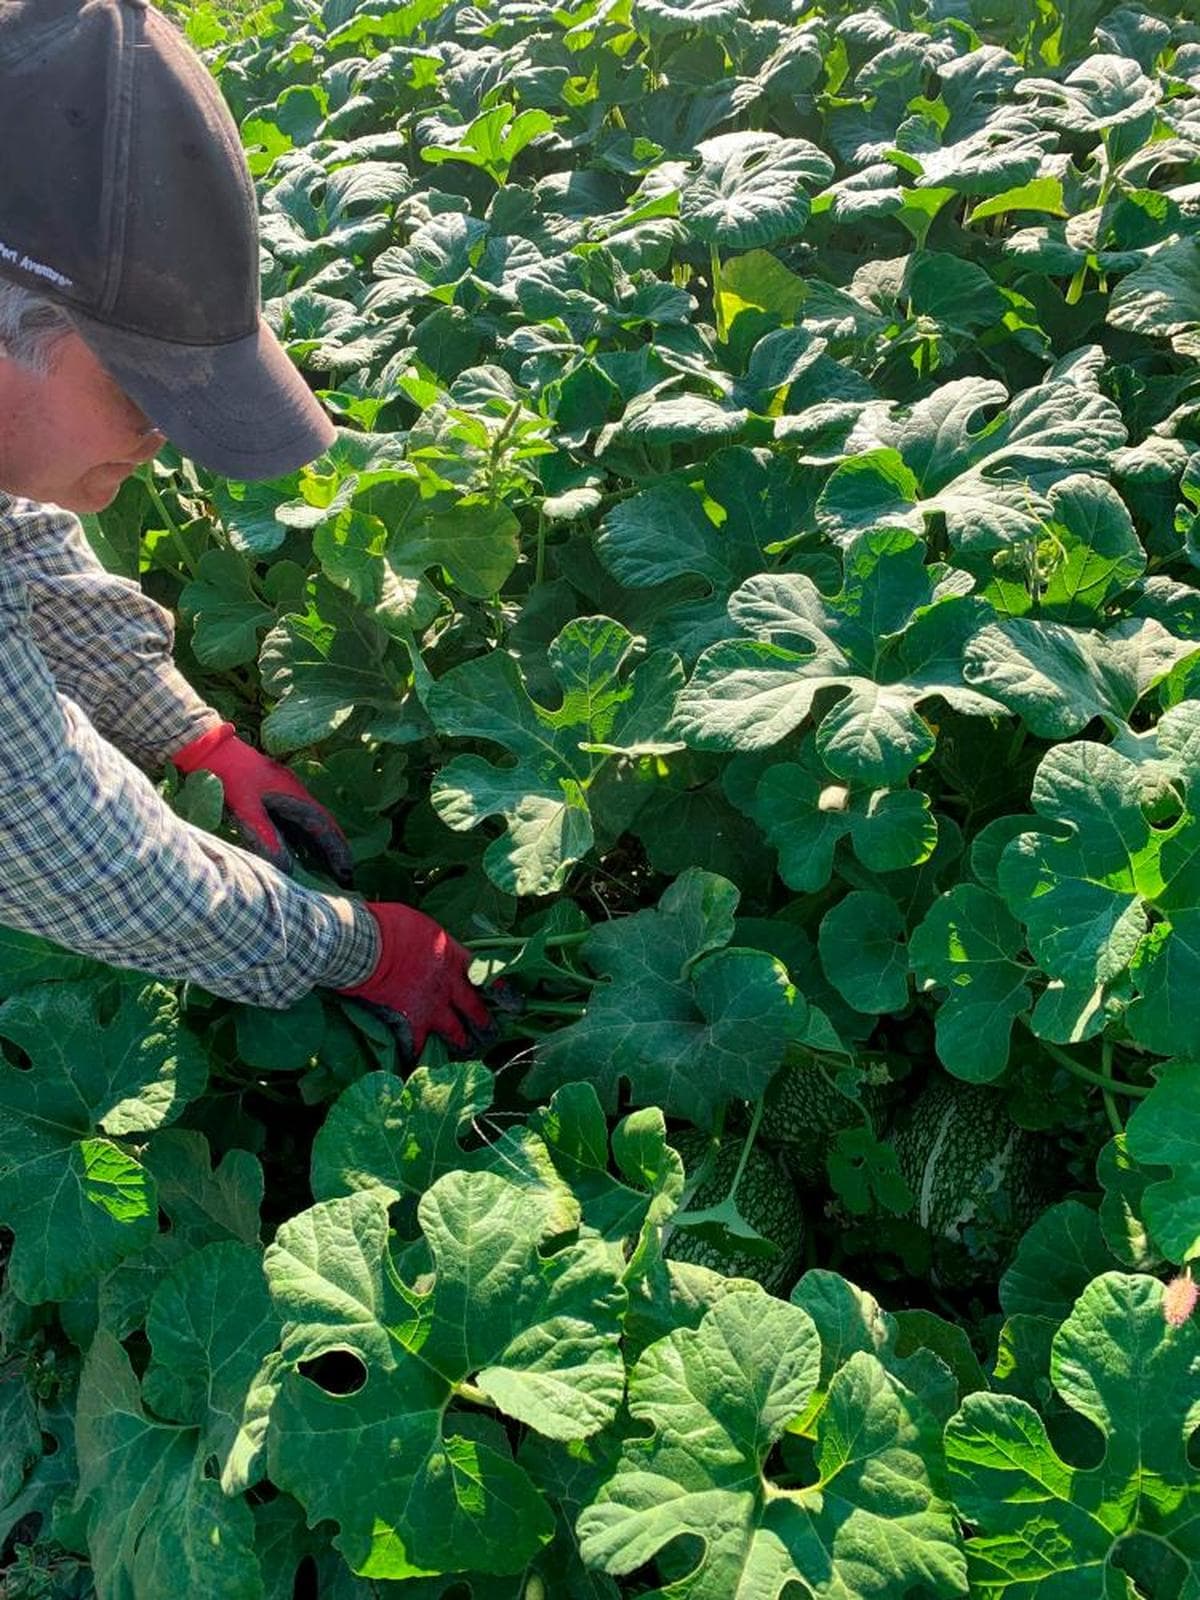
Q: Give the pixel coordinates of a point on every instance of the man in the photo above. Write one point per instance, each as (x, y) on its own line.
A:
(129, 314)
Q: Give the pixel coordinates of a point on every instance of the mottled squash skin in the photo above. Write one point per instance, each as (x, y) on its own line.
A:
(979, 1180)
(802, 1111)
(766, 1197)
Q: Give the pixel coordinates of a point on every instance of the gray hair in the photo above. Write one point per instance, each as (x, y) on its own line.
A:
(30, 327)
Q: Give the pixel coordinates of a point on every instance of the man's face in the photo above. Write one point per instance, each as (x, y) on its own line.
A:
(70, 437)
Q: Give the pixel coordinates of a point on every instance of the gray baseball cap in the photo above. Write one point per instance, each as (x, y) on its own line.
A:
(125, 197)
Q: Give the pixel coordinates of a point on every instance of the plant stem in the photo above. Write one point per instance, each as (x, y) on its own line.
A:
(510, 941)
(555, 1008)
(539, 572)
(746, 1148)
(172, 527)
(468, 1391)
(1110, 1105)
(698, 1177)
(1075, 288)
(718, 308)
(1085, 1074)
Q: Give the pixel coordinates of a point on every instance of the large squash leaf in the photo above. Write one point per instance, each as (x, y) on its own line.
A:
(545, 794)
(1044, 1525)
(689, 1023)
(890, 640)
(745, 189)
(108, 1060)
(718, 1397)
(423, 1489)
(158, 1519)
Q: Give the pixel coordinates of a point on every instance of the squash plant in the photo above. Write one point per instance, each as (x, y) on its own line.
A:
(751, 602)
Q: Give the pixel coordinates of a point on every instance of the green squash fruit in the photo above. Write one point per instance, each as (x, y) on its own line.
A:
(979, 1180)
(802, 1111)
(766, 1198)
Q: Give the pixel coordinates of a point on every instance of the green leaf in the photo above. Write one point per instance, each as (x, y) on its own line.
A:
(864, 1172)
(156, 1516)
(108, 1060)
(695, 419)
(493, 140)
(280, 1041)
(647, 1193)
(382, 531)
(662, 18)
(1124, 1181)
(984, 142)
(247, 510)
(1098, 553)
(957, 294)
(476, 542)
(805, 813)
(748, 189)
(202, 1207)
(889, 640)
(399, 22)
(988, 478)
(1162, 298)
(718, 1397)
(1164, 1131)
(688, 1023)
(535, 1330)
(968, 945)
(760, 279)
(560, 755)
(874, 489)
(1040, 194)
(861, 941)
(671, 530)
(27, 960)
(228, 613)
(20, 1435)
(1055, 1261)
(199, 799)
(1085, 887)
(213, 1335)
(849, 1319)
(323, 666)
(401, 1135)
(1077, 888)
(1041, 1523)
(923, 1330)
(1101, 93)
(1057, 679)
(439, 255)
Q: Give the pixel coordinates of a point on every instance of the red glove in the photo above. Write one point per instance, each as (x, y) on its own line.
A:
(260, 793)
(421, 977)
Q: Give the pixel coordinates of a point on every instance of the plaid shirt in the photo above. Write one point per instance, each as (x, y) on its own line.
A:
(90, 855)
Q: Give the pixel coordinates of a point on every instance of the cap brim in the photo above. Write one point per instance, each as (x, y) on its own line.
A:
(240, 409)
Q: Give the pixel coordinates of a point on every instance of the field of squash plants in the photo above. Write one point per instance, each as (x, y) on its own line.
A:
(753, 603)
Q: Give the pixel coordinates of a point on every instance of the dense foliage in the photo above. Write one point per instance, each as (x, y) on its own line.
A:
(753, 603)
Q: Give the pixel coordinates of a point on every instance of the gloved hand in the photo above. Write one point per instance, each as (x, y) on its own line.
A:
(264, 798)
(421, 978)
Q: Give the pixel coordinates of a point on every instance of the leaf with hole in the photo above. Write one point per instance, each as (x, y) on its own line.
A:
(530, 1329)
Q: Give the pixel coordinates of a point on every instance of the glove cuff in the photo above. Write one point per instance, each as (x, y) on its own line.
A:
(369, 982)
(197, 753)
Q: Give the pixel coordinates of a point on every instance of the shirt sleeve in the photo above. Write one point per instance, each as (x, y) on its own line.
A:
(93, 858)
(108, 645)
